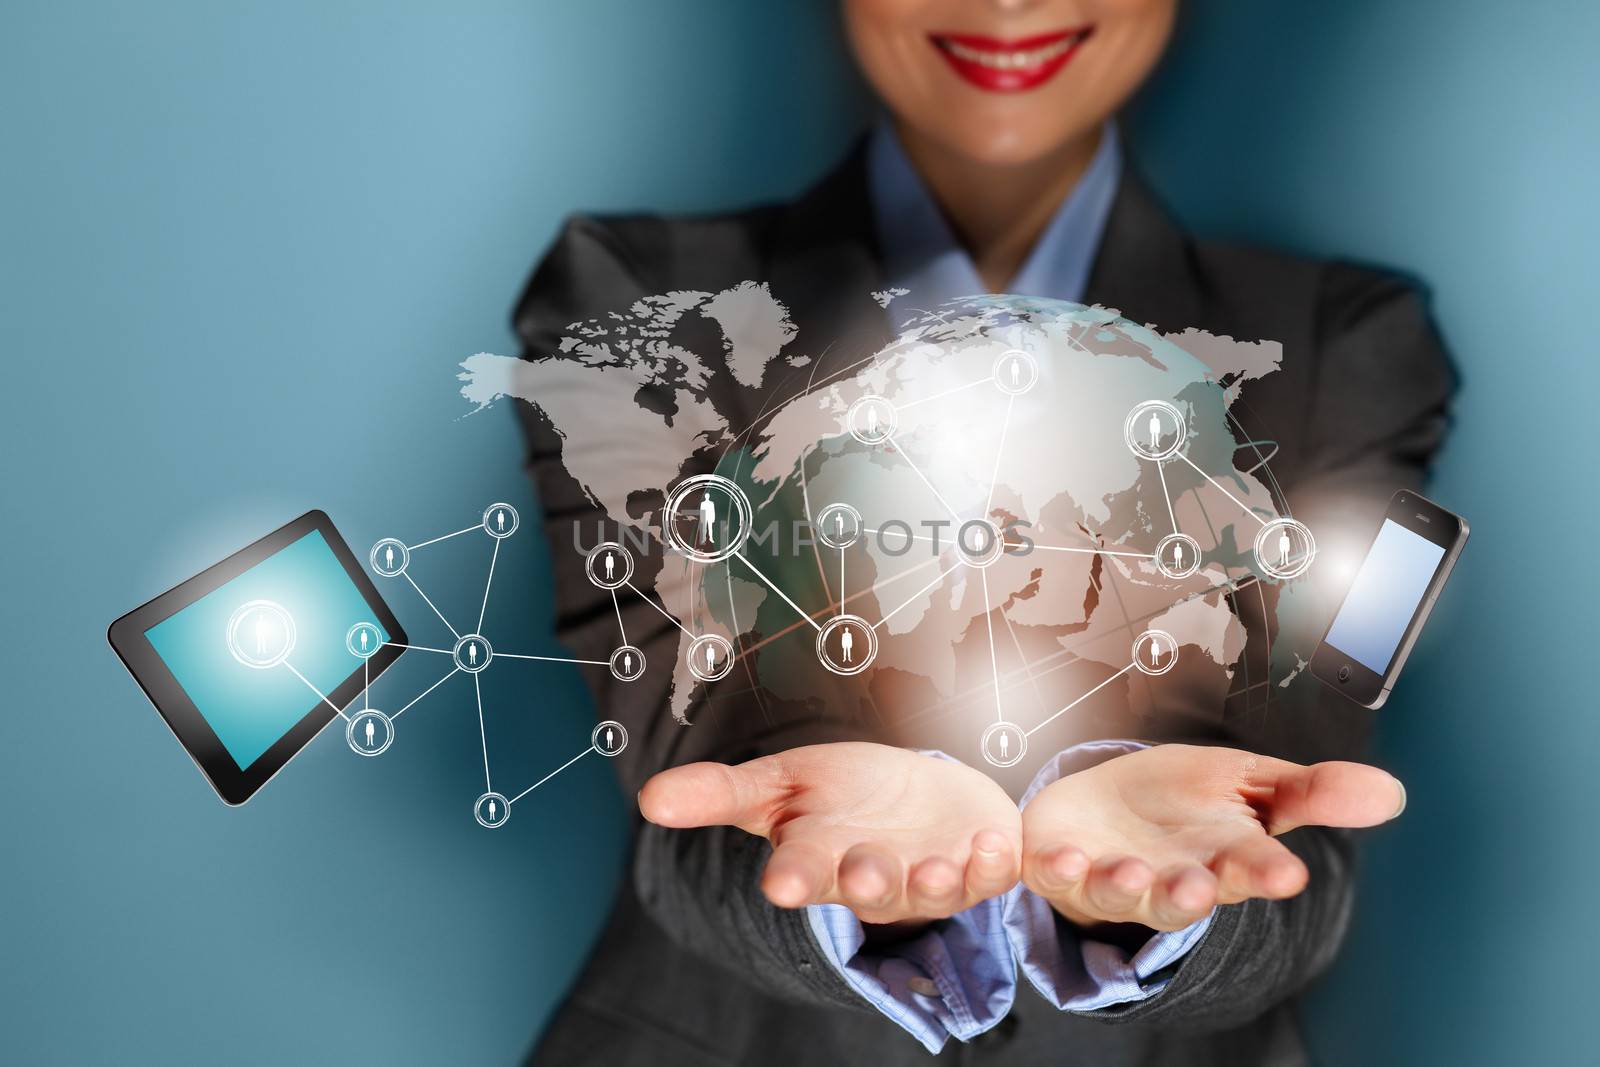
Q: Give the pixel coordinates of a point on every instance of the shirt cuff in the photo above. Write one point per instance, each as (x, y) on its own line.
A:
(957, 978)
(1070, 969)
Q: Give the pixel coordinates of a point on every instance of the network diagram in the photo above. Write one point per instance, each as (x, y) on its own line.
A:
(707, 519)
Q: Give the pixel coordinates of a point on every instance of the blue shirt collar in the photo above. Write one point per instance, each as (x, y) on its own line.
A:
(922, 256)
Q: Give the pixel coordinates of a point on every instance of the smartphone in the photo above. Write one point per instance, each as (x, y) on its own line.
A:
(1372, 632)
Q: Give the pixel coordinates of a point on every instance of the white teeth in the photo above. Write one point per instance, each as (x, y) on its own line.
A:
(1014, 60)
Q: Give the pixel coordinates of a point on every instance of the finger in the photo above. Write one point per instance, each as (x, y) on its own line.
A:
(871, 880)
(992, 867)
(797, 874)
(714, 794)
(1332, 794)
(1053, 872)
(1182, 896)
(934, 889)
(1117, 885)
(1258, 867)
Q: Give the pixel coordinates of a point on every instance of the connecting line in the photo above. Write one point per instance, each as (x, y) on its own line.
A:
(620, 628)
(841, 580)
(918, 471)
(914, 596)
(939, 396)
(420, 648)
(1095, 551)
(551, 775)
(994, 663)
(659, 608)
(550, 659)
(994, 477)
(446, 537)
(814, 624)
(317, 691)
(1225, 493)
(1080, 700)
(486, 585)
(454, 671)
(436, 611)
(477, 687)
(1161, 469)
(366, 684)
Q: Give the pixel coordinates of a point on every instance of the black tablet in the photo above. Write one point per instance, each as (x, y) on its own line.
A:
(249, 659)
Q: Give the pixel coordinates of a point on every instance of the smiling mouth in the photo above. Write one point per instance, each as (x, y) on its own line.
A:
(1000, 65)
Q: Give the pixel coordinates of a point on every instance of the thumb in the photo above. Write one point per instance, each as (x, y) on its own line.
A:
(713, 794)
(1333, 794)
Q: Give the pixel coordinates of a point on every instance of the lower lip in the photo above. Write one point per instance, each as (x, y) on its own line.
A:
(1014, 79)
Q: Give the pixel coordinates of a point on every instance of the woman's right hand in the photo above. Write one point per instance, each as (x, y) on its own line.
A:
(894, 836)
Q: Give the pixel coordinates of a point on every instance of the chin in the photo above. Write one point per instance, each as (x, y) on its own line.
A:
(999, 144)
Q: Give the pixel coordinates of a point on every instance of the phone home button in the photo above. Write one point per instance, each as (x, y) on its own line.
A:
(1344, 673)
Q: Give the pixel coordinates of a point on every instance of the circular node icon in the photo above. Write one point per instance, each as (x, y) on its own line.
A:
(872, 419)
(1155, 652)
(390, 557)
(1155, 430)
(491, 810)
(609, 565)
(363, 640)
(1016, 372)
(369, 732)
(847, 645)
(979, 542)
(710, 657)
(260, 634)
(838, 525)
(1178, 555)
(472, 653)
(1285, 548)
(500, 520)
(609, 738)
(1003, 743)
(707, 518)
(627, 663)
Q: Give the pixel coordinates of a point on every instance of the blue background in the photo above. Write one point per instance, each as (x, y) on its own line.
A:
(225, 225)
(250, 707)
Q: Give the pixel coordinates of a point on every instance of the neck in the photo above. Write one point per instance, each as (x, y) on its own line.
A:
(998, 212)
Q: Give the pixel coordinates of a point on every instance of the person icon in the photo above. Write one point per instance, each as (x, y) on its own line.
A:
(494, 810)
(1005, 738)
(1155, 432)
(472, 654)
(366, 638)
(711, 657)
(1155, 651)
(847, 643)
(708, 519)
(263, 632)
(500, 521)
(1284, 545)
(1177, 555)
(627, 664)
(372, 733)
(610, 739)
(388, 557)
(838, 524)
(611, 567)
(872, 420)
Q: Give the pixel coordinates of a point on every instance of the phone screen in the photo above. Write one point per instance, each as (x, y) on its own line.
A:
(1381, 603)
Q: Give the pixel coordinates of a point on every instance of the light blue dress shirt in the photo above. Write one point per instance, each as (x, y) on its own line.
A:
(959, 977)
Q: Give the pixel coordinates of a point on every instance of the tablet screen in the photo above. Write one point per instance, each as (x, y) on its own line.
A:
(251, 707)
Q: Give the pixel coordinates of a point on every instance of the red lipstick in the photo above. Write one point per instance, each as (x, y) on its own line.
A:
(1013, 65)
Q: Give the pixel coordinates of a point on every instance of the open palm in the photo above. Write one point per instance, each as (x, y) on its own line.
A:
(1159, 836)
(893, 835)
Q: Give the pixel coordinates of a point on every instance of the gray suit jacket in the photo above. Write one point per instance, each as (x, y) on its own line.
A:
(696, 967)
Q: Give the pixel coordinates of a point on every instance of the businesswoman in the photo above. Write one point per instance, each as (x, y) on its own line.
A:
(1183, 892)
